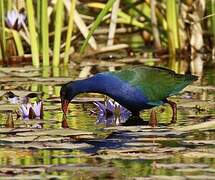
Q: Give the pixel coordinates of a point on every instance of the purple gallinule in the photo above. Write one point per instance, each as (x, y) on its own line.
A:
(138, 88)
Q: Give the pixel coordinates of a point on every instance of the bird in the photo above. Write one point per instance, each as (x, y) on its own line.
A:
(136, 88)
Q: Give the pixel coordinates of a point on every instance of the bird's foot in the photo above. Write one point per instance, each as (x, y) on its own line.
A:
(134, 121)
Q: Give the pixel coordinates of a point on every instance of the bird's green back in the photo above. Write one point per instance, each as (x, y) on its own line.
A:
(156, 83)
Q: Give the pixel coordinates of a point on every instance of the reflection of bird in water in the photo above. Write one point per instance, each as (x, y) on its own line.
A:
(138, 88)
(14, 99)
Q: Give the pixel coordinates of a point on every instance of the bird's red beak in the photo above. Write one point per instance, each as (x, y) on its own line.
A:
(64, 105)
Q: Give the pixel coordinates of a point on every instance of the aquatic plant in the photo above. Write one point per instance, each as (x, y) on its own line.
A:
(33, 33)
(111, 112)
(49, 30)
(15, 19)
(29, 111)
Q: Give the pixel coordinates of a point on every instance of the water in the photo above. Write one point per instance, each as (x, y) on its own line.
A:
(110, 152)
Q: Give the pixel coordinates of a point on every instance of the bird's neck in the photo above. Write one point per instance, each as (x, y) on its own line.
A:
(89, 85)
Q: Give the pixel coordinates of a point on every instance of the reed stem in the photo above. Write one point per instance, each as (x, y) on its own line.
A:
(2, 32)
(57, 34)
(172, 24)
(155, 31)
(113, 22)
(18, 42)
(45, 33)
(213, 20)
(32, 32)
(69, 32)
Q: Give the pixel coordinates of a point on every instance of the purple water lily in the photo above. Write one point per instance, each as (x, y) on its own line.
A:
(15, 19)
(29, 111)
(111, 113)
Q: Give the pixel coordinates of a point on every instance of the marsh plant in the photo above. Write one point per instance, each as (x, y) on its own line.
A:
(54, 29)
(111, 113)
(31, 111)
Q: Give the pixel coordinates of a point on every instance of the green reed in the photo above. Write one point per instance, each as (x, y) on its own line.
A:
(57, 33)
(96, 23)
(172, 28)
(2, 31)
(69, 32)
(213, 20)
(45, 32)
(18, 42)
(33, 33)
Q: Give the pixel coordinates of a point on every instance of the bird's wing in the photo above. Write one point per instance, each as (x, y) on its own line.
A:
(155, 83)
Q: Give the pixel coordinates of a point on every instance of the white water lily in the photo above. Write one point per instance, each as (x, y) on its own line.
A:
(111, 113)
(15, 19)
(37, 107)
(24, 110)
(29, 111)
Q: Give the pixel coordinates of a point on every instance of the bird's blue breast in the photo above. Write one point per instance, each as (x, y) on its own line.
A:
(130, 97)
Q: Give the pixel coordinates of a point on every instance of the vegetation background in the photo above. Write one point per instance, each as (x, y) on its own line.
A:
(177, 32)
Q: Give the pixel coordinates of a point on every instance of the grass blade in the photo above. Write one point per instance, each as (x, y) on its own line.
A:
(81, 25)
(124, 18)
(97, 22)
(18, 42)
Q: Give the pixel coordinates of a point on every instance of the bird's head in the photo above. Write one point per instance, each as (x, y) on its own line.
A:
(67, 93)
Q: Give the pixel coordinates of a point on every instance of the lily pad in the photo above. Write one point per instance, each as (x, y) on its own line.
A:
(180, 165)
(30, 139)
(51, 145)
(199, 142)
(73, 167)
(14, 130)
(151, 153)
(55, 132)
(196, 154)
(171, 177)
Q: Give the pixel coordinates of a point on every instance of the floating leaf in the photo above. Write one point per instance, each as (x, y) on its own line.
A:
(50, 145)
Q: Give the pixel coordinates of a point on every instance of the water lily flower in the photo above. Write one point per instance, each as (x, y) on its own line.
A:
(15, 19)
(111, 113)
(29, 111)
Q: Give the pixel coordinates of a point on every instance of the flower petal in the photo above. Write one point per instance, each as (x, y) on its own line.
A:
(24, 110)
(37, 107)
(110, 105)
(101, 107)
